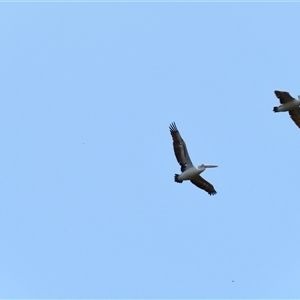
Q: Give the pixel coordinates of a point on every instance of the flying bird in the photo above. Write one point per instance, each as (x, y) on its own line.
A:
(189, 172)
(290, 104)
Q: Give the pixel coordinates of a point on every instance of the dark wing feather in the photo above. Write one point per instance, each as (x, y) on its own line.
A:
(283, 97)
(295, 115)
(180, 149)
(204, 185)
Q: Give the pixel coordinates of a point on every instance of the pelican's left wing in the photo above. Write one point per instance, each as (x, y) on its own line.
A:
(283, 97)
(204, 185)
(180, 149)
(295, 115)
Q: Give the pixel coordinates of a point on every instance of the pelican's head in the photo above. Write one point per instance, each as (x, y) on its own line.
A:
(203, 166)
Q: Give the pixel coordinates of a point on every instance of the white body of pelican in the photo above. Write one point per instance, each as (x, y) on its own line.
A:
(290, 104)
(189, 172)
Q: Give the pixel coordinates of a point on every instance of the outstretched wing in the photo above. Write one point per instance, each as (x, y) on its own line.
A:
(204, 185)
(180, 150)
(283, 97)
(295, 115)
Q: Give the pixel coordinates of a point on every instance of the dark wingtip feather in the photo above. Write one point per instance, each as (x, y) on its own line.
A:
(173, 127)
(278, 93)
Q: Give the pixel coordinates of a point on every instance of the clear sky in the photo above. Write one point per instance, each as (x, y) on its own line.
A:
(89, 207)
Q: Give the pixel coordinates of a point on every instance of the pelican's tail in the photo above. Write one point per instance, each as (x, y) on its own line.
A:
(275, 109)
(176, 178)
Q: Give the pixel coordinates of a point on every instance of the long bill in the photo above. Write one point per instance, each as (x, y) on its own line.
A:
(210, 166)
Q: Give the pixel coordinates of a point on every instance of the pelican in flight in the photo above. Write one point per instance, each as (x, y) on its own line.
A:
(189, 172)
(290, 104)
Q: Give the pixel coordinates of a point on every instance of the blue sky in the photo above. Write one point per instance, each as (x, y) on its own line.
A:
(89, 207)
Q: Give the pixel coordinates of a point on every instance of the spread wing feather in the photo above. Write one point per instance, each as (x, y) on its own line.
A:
(204, 185)
(180, 149)
(283, 97)
(295, 116)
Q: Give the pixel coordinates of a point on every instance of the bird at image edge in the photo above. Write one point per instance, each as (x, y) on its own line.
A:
(290, 104)
(189, 172)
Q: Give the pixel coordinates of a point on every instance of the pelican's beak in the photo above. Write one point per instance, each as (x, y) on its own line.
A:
(210, 166)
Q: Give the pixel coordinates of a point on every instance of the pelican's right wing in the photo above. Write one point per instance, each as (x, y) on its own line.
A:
(283, 97)
(180, 149)
(295, 116)
(204, 185)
